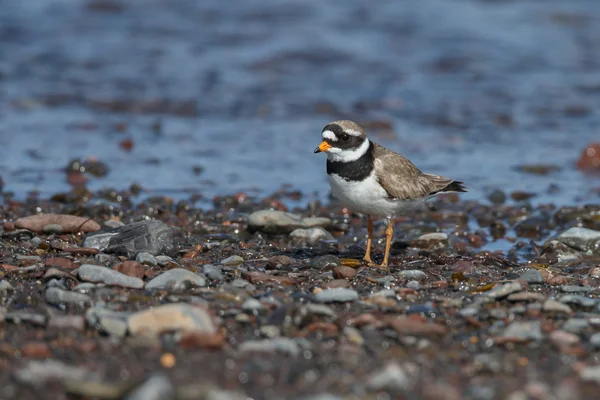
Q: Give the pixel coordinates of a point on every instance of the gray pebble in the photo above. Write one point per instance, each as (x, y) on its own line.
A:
(95, 273)
(213, 272)
(590, 374)
(84, 287)
(576, 325)
(233, 260)
(111, 223)
(105, 259)
(36, 241)
(440, 236)
(413, 285)
(274, 221)
(595, 340)
(582, 239)
(37, 373)
(336, 295)
(502, 291)
(530, 330)
(576, 289)
(240, 283)
(5, 286)
(58, 296)
(280, 344)
(532, 276)
(321, 262)
(270, 331)
(555, 306)
(17, 317)
(469, 311)
(578, 300)
(157, 387)
(163, 261)
(385, 293)
(413, 274)
(175, 277)
(146, 258)
(29, 258)
(311, 235)
(107, 321)
(319, 309)
(251, 305)
(391, 377)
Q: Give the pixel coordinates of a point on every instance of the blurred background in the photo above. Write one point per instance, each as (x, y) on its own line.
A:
(205, 98)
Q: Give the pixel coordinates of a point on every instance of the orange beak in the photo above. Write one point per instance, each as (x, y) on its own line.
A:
(324, 146)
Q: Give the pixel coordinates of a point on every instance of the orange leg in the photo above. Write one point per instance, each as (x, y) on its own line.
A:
(367, 257)
(389, 232)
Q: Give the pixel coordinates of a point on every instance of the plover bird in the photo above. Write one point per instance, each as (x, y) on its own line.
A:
(374, 181)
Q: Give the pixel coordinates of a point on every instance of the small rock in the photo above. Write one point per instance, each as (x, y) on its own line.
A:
(277, 262)
(413, 285)
(336, 295)
(60, 262)
(38, 373)
(151, 236)
(576, 325)
(157, 387)
(240, 283)
(526, 296)
(311, 235)
(131, 268)
(502, 291)
(578, 300)
(413, 274)
(257, 277)
(95, 273)
(67, 322)
(273, 221)
(252, 305)
(58, 296)
(84, 287)
(164, 261)
(22, 316)
(343, 272)
(233, 260)
(582, 239)
(409, 326)
(337, 283)
(590, 374)
(321, 262)
(108, 321)
(576, 289)
(563, 339)
(67, 223)
(52, 229)
(523, 331)
(319, 309)
(595, 340)
(554, 306)
(172, 317)
(391, 377)
(175, 276)
(111, 223)
(213, 272)
(532, 276)
(5, 287)
(146, 258)
(280, 344)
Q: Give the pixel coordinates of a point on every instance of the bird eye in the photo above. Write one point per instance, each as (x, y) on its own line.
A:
(345, 137)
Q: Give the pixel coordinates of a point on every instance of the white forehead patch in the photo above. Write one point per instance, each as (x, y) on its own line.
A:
(329, 135)
(352, 132)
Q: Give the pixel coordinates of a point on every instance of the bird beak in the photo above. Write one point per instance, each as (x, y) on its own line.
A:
(324, 146)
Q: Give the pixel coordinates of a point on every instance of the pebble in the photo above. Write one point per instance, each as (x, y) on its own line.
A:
(57, 296)
(107, 321)
(526, 296)
(163, 260)
(170, 317)
(321, 262)
(413, 285)
(175, 277)
(595, 340)
(576, 289)
(67, 223)
(384, 293)
(112, 223)
(311, 235)
(576, 325)
(391, 377)
(213, 272)
(96, 274)
(343, 272)
(233, 260)
(5, 286)
(151, 236)
(319, 309)
(146, 258)
(530, 330)
(53, 229)
(578, 300)
(17, 317)
(84, 287)
(532, 276)
(582, 239)
(413, 274)
(502, 291)
(563, 339)
(38, 373)
(590, 374)
(240, 283)
(252, 305)
(274, 221)
(131, 268)
(157, 387)
(67, 322)
(555, 306)
(279, 344)
(336, 295)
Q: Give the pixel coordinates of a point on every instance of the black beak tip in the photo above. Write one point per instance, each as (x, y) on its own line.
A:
(317, 150)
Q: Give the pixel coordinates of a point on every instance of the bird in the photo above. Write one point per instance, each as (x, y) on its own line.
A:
(375, 181)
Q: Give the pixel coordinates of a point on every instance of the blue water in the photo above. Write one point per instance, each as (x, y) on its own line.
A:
(472, 90)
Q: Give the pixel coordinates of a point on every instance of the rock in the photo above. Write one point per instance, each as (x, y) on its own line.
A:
(84, 287)
(318, 309)
(336, 295)
(563, 339)
(5, 287)
(146, 258)
(257, 277)
(409, 326)
(391, 377)
(343, 272)
(252, 305)
(176, 277)
(280, 344)
(311, 235)
(108, 321)
(337, 283)
(38, 373)
(172, 317)
(96, 274)
(277, 262)
(554, 306)
(157, 387)
(53, 229)
(151, 236)
(502, 291)
(233, 260)
(532, 276)
(67, 322)
(595, 340)
(17, 317)
(576, 289)
(576, 325)
(58, 296)
(497, 196)
(35, 350)
(413, 274)
(413, 285)
(213, 272)
(526, 296)
(590, 158)
(321, 262)
(67, 223)
(273, 221)
(523, 331)
(164, 261)
(60, 262)
(582, 239)
(131, 268)
(578, 300)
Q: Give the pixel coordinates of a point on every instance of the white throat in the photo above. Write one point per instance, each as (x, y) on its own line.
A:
(348, 155)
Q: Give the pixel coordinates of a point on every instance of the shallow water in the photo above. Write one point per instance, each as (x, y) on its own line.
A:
(473, 89)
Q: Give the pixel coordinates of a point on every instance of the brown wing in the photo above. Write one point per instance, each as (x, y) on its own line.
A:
(402, 180)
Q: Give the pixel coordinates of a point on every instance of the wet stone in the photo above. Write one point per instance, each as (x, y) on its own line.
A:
(504, 290)
(151, 236)
(321, 262)
(131, 268)
(413, 285)
(343, 272)
(97, 274)
(213, 272)
(146, 258)
(576, 289)
(595, 340)
(175, 277)
(413, 274)
(526, 296)
(555, 306)
(319, 309)
(590, 374)
(582, 239)
(52, 229)
(576, 325)
(336, 295)
(57, 296)
(532, 276)
(311, 235)
(163, 261)
(523, 331)
(107, 321)
(252, 305)
(273, 221)
(84, 287)
(280, 344)
(233, 260)
(5, 287)
(578, 300)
